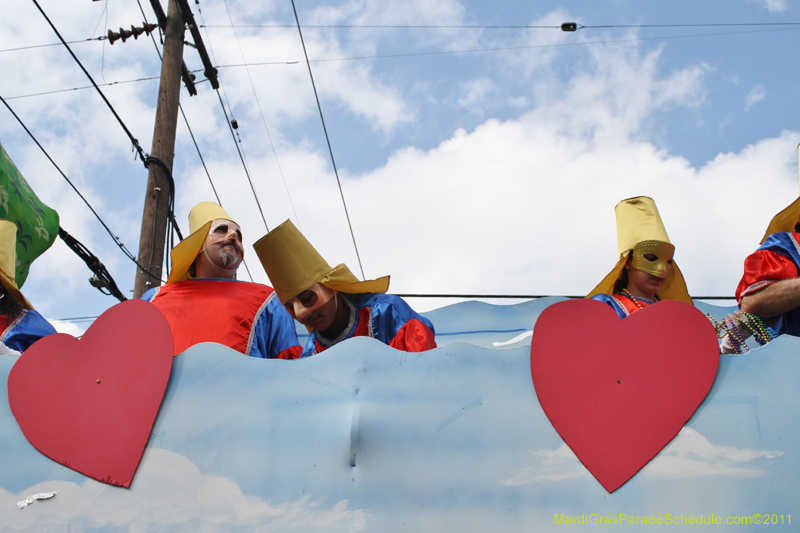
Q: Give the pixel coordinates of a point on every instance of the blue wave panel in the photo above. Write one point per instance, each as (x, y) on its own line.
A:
(365, 438)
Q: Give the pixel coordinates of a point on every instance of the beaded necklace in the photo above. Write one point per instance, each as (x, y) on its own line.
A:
(636, 299)
(750, 323)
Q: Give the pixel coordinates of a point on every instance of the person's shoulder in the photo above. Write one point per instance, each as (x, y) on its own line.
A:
(150, 294)
(385, 303)
(781, 238)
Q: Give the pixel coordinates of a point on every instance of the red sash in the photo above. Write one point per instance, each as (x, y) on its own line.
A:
(628, 303)
(212, 311)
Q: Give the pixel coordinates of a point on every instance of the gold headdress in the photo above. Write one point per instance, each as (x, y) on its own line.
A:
(293, 265)
(640, 230)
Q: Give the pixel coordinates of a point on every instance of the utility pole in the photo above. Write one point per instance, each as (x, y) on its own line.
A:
(156, 202)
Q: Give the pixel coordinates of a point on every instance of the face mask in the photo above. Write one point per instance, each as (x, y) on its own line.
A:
(222, 231)
(653, 257)
(310, 300)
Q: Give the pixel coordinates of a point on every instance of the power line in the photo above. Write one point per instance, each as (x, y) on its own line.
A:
(45, 93)
(134, 141)
(263, 120)
(146, 160)
(327, 139)
(497, 27)
(420, 54)
(509, 48)
(529, 296)
(183, 114)
(31, 47)
(119, 243)
(241, 157)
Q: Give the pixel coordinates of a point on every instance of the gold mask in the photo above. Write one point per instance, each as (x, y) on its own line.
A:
(659, 266)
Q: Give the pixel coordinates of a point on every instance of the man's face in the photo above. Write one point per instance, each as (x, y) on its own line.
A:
(315, 307)
(223, 245)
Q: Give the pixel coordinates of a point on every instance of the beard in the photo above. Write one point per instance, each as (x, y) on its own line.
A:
(228, 256)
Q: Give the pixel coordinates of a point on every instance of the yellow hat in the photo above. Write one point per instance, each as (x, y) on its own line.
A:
(8, 262)
(183, 255)
(638, 220)
(784, 221)
(293, 265)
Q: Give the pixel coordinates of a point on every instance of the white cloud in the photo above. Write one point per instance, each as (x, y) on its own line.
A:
(774, 6)
(755, 95)
(169, 491)
(469, 207)
(553, 465)
(476, 95)
(689, 454)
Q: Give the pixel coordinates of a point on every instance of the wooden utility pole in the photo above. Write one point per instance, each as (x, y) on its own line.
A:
(156, 202)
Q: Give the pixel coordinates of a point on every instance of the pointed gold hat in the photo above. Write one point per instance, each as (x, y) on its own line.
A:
(638, 220)
(784, 221)
(183, 255)
(293, 265)
(8, 262)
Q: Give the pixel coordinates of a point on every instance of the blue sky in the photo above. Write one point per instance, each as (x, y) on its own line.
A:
(490, 172)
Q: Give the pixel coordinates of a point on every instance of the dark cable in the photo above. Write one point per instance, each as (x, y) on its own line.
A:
(101, 280)
(241, 156)
(327, 139)
(101, 38)
(191, 134)
(78, 88)
(507, 48)
(528, 296)
(134, 141)
(172, 224)
(261, 113)
(113, 236)
(512, 27)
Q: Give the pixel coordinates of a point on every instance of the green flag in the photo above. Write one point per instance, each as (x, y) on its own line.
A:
(37, 224)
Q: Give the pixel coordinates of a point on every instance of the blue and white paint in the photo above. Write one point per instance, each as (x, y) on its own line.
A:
(366, 438)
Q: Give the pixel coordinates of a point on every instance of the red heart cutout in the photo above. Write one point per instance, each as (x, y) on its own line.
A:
(90, 404)
(617, 391)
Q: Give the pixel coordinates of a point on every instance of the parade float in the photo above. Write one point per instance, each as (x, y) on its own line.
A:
(366, 438)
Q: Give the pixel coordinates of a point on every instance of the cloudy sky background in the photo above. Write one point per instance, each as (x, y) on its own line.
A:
(473, 160)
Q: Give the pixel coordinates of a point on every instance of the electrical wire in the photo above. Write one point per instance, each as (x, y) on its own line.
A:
(133, 140)
(183, 114)
(419, 54)
(117, 240)
(528, 296)
(101, 280)
(327, 139)
(241, 157)
(102, 37)
(170, 243)
(146, 160)
(496, 27)
(81, 88)
(510, 48)
(261, 113)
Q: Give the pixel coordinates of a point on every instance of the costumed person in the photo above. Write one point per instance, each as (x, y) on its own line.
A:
(769, 291)
(204, 302)
(20, 324)
(645, 272)
(332, 303)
